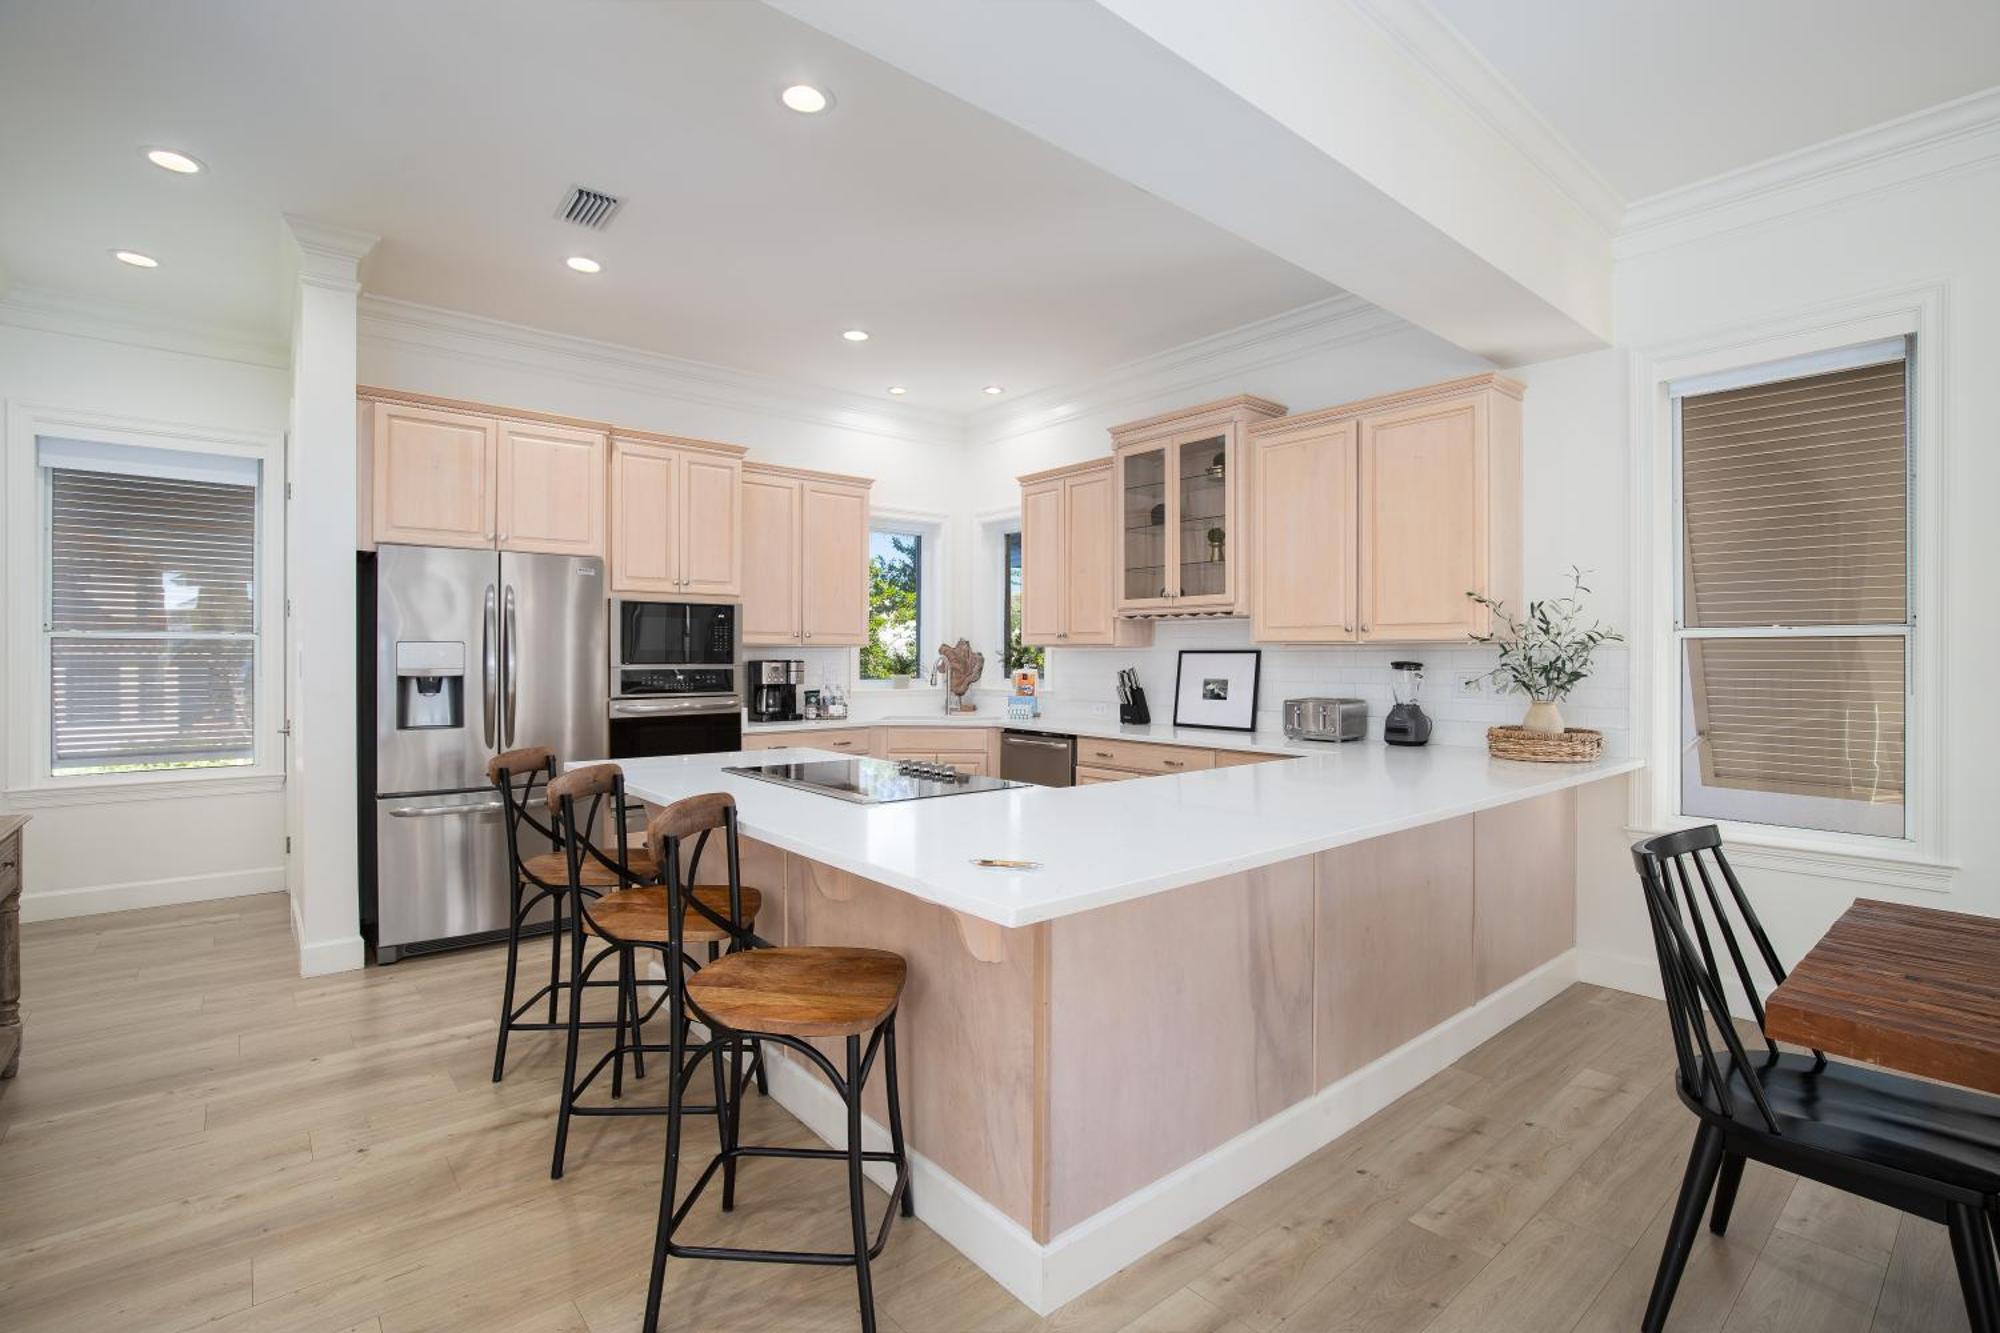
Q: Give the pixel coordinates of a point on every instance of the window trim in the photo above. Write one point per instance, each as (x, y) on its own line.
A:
(29, 783)
(931, 617)
(1921, 858)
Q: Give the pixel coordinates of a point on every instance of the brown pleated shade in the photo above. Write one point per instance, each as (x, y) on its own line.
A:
(1800, 716)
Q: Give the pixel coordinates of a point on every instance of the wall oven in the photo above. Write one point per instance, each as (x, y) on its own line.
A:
(673, 679)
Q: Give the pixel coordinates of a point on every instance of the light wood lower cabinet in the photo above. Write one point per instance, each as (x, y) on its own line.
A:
(849, 740)
(676, 518)
(1086, 776)
(1069, 557)
(805, 580)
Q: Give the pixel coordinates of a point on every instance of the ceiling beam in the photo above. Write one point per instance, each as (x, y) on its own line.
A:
(1305, 127)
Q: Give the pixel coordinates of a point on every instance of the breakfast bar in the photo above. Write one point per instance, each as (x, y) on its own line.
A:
(1166, 991)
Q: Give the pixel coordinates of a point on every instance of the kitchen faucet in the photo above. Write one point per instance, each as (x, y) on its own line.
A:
(943, 664)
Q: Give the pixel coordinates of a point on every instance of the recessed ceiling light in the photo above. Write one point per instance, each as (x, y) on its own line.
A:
(898, 390)
(994, 388)
(856, 335)
(584, 264)
(170, 160)
(805, 99)
(135, 259)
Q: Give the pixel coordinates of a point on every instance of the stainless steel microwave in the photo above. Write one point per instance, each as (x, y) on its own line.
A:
(673, 649)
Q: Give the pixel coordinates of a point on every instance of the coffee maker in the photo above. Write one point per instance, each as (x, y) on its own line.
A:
(774, 689)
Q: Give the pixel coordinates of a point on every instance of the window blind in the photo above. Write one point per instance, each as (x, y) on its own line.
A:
(1795, 502)
(1803, 716)
(152, 621)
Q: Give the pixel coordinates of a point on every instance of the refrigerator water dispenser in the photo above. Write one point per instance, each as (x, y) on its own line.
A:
(430, 685)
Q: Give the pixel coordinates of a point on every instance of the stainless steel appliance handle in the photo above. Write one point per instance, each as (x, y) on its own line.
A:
(429, 811)
(720, 707)
(1040, 741)
(511, 649)
(489, 665)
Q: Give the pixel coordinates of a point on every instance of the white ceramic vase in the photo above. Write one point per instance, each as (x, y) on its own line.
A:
(1544, 718)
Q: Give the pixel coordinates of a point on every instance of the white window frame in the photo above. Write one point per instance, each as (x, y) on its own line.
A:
(931, 594)
(1920, 859)
(29, 781)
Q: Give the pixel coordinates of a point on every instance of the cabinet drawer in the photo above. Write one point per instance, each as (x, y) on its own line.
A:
(902, 742)
(1142, 756)
(1086, 776)
(850, 741)
(1236, 758)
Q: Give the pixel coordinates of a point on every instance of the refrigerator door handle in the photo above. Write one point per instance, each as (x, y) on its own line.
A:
(428, 811)
(489, 666)
(511, 648)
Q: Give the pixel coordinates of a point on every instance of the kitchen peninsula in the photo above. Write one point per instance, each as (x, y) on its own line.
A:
(1201, 978)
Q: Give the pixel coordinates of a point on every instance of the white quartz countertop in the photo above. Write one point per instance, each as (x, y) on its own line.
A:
(1114, 841)
(1103, 726)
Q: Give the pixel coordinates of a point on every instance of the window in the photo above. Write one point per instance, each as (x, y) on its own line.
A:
(1018, 654)
(1793, 609)
(895, 604)
(150, 621)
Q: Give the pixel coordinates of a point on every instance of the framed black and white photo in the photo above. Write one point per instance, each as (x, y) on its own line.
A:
(1217, 689)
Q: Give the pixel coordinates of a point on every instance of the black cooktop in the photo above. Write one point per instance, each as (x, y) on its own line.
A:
(874, 781)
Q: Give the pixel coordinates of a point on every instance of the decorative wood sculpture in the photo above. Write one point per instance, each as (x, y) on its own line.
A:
(962, 668)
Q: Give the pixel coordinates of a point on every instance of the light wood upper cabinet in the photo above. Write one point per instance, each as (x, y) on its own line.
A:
(1303, 528)
(1374, 519)
(835, 543)
(1181, 506)
(676, 518)
(551, 489)
(773, 573)
(805, 575)
(433, 476)
(1069, 552)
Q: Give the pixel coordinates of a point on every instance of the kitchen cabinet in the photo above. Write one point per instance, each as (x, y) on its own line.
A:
(805, 575)
(444, 475)
(1182, 504)
(1140, 758)
(1069, 544)
(1372, 520)
(676, 517)
(1087, 776)
(967, 749)
(845, 740)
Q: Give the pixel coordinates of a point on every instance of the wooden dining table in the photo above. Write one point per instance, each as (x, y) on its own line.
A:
(1913, 989)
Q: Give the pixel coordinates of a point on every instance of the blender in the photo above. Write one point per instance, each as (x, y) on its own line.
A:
(1406, 723)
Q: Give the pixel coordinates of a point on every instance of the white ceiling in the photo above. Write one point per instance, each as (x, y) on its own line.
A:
(1656, 94)
(972, 251)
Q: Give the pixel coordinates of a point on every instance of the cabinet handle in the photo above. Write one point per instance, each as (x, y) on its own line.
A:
(1102, 754)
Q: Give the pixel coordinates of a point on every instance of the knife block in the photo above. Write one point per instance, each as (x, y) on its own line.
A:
(1136, 712)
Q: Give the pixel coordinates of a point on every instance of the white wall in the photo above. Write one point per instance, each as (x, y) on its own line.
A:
(1890, 234)
(88, 855)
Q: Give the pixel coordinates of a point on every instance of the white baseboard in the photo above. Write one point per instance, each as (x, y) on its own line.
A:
(55, 904)
(318, 958)
(1045, 1277)
(1640, 976)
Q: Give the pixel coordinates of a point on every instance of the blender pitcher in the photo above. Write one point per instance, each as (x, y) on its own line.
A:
(1406, 723)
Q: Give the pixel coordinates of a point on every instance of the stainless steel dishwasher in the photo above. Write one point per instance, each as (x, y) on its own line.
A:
(1033, 756)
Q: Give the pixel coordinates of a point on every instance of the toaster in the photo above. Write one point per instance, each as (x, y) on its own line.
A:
(1326, 719)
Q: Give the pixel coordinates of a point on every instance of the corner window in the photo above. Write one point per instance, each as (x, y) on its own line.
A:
(1018, 654)
(895, 604)
(1793, 614)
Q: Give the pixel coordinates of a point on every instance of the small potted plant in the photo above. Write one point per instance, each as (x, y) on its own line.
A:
(1546, 655)
(1215, 539)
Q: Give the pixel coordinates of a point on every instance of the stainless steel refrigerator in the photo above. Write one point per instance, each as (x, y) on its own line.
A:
(475, 652)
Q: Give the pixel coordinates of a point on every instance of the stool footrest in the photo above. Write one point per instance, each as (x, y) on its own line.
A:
(839, 1259)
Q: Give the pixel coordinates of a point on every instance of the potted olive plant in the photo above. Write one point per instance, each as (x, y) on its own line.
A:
(1546, 655)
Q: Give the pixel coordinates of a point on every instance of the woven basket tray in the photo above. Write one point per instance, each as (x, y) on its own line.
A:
(1577, 745)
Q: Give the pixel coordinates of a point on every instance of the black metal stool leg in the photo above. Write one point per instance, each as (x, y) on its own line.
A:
(896, 1116)
(638, 1037)
(757, 1064)
(856, 1199)
(725, 1139)
(507, 992)
(670, 1175)
(569, 1059)
(618, 1042)
(555, 953)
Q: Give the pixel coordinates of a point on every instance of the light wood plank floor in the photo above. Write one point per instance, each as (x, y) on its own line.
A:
(200, 1138)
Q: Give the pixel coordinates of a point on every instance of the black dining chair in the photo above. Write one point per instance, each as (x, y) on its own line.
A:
(1925, 1148)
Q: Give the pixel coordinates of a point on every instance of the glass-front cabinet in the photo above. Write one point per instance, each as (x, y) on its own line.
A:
(1182, 507)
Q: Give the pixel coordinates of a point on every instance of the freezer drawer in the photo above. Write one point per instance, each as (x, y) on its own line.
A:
(442, 872)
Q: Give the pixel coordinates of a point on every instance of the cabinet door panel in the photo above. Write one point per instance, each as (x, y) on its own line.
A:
(1205, 539)
(1423, 521)
(551, 493)
(1145, 519)
(1044, 563)
(772, 568)
(712, 524)
(433, 476)
(836, 566)
(645, 505)
(1090, 547)
(1304, 538)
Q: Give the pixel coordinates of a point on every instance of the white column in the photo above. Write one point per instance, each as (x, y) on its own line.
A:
(321, 768)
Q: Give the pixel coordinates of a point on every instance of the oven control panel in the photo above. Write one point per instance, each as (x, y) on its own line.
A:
(641, 682)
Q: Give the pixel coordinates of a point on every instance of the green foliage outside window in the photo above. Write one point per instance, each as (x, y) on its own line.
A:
(895, 589)
(1018, 654)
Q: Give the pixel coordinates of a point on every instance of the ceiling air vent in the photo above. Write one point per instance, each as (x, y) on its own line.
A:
(589, 208)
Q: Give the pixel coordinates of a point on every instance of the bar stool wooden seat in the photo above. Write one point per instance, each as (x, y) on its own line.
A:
(624, 920)
(521, 776)
(783, 996)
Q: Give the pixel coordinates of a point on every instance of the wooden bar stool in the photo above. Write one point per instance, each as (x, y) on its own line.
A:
(624, 920)
(537, 877)
(784, 996)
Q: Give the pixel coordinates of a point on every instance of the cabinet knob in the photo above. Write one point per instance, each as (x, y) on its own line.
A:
(1174, 763)
(807, 635)
(1365, 628)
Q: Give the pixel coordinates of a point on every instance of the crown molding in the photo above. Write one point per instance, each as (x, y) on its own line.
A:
(1941, 140)
(1333, 322)
(83, 317)
(1457, 66)
(386, 320)
(329, 256)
